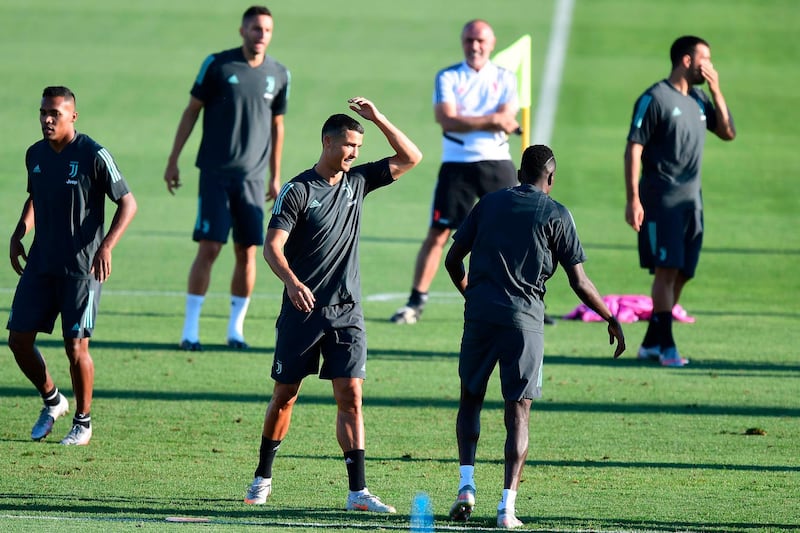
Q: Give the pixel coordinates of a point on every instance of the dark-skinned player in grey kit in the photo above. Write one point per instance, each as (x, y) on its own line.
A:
(516, 238)
(69, 177)
(665, 207)
(312, 246)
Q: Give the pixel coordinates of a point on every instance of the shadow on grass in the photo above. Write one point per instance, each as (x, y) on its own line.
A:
(215, 511)
(586, 463)
(693, 409)
(95, 344)
(627, 360)
(132, 509)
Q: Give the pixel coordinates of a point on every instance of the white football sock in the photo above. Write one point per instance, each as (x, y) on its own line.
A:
(239, 307)
(509, 501)
(467, 476)
(191, 322)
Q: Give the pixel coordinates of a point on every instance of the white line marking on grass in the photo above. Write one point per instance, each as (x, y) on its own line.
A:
(377, 525)
(551, 77)
(445, 296)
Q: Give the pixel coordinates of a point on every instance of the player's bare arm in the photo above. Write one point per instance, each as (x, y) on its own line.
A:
(188, 119)
(407, 155)
(101, 263)
(16, 248)
(583, 287)
(301, 296)
(634, 212)
(275, 157)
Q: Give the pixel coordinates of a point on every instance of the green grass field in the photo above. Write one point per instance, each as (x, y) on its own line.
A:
(615, 445)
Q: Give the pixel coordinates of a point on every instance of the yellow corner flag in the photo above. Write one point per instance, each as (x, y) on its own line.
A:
(517, 58)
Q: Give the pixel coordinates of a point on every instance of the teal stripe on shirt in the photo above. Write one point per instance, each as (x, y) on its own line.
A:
(276, 209)
(204, 69)
(644, 103)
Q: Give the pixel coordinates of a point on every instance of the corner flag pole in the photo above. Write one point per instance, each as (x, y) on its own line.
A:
(517, 58)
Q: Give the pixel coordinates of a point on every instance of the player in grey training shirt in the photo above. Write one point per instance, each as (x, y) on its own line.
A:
(69, 178)
(243, 94)
(312, 246)
(665, 144)
(516, 238)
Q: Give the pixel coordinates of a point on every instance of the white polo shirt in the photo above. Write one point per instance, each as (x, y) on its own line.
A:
(475, 93)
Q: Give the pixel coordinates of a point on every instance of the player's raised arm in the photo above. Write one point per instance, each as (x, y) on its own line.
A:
(407, 155)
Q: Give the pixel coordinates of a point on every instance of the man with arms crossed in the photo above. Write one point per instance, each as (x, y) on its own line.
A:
(69, 177)
(475, 103)
(312, 246)
(242, 93)
(665, 144)
(516, 238)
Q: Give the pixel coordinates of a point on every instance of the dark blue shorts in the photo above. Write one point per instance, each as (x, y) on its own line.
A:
(335, 333)
(39, 299)
(671, 238)
(230, 202)
(519, 354)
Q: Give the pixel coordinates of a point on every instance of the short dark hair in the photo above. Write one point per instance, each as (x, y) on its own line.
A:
(337, 125)
(54, 91)
(254, 11)
(534, 160)
(684, 46)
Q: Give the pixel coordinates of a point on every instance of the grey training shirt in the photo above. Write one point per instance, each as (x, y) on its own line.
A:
(672, 128)
(68, 189)
(239, 102)
(517, 238)
(324, 222)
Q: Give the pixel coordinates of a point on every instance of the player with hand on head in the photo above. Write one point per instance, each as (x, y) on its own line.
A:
(665, 145)
(312, 247)
(516, 238)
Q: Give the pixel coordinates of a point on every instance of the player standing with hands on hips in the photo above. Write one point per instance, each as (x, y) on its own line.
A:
(516, 238)
(69, 177)
(243, 94)
(665, 145)
(312, 246)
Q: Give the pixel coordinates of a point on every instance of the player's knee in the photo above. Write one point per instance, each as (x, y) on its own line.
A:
(19, 343)
(77, 350)
(208, 251)
(437, 238)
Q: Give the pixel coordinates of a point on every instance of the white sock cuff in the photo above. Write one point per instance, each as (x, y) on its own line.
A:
(196, 299)
(240, 300)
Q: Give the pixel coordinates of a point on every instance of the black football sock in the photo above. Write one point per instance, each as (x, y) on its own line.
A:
(82, 419)
(266, 456)
(51, 398)
(665, 339)
(417, 299)
(354, 460)
(651, 337)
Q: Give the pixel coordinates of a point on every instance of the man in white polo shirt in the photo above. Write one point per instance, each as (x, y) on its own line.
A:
(475, 102)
